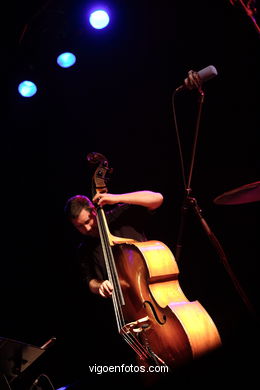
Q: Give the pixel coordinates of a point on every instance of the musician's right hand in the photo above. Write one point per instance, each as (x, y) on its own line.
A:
(105, 289)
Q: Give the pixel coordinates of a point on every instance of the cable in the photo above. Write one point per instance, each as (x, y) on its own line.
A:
(4, 383)
(35, 383)
(178, 140)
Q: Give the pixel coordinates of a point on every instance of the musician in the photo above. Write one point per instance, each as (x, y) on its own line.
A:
(127, 217)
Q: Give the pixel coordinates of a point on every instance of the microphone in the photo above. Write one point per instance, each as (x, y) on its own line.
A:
(204, 74)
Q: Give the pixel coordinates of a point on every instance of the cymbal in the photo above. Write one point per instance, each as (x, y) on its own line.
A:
(244, 194)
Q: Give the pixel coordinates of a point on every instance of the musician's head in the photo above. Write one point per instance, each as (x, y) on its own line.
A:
(81, 212)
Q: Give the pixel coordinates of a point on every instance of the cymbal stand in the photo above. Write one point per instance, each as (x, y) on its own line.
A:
(191, 202)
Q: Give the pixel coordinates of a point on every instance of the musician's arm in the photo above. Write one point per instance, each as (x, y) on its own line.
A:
(151, 200)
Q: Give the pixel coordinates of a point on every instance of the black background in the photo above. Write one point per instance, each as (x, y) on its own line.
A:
(117, 100)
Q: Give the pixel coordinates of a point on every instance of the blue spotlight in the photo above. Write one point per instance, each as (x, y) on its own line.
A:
(99, 19)
(63, 388)
(65, 60)
(27, 88)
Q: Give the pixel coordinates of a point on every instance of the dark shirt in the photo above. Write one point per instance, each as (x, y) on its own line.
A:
(123, 220)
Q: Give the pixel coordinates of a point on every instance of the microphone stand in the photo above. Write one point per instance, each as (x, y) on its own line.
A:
(190, 202)
(186, 201)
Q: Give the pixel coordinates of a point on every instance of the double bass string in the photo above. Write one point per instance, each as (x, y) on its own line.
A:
(110, 266)
(135, 344)
(117, 295)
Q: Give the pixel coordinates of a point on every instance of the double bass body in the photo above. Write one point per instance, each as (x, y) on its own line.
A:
(153, 315)
(156, 312)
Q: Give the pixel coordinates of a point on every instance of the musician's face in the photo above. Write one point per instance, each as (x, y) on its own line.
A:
(86, 223)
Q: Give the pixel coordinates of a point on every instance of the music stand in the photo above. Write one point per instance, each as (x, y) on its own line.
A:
(15, 357)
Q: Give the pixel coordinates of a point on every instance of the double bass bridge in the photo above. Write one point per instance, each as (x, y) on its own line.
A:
(136, 327)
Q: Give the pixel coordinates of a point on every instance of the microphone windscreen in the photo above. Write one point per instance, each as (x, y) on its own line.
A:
(207, 73)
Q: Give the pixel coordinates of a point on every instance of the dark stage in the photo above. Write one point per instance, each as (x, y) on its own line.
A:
(117, 100)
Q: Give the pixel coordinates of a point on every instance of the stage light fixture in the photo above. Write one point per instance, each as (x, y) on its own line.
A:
(27, 88)
(66, 60)
(99, 19)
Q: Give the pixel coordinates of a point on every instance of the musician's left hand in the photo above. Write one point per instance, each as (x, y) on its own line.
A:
(105, 198)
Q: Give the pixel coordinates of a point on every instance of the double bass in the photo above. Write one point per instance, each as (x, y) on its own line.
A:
(152, 313)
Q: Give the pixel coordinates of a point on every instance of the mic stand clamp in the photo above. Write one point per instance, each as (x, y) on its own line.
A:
(184, 210)
(191, 202)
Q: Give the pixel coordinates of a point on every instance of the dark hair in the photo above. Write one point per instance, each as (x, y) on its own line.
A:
(75, 204)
